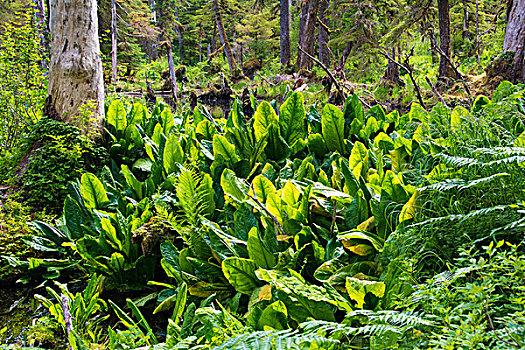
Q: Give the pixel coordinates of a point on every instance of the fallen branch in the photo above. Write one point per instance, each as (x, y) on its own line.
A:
(436, 92)
(67, 316)
(409, 72)
(458, 73)
(337, 85)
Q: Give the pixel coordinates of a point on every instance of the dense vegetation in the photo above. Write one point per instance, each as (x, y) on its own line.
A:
(266, 205)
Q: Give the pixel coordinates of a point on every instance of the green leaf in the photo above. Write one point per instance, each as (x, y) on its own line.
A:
(132, 182)
(233, 186)
(117, 115)
(173, 154)
(167, 121)
(258, 252)
(263, 188)
(358, 161)
(264, 117)
(93, 192)
(333, 127)
(222, 147)
(357, 289)
(241, 274)
(73, 218)
(275, 316)
(292, 118)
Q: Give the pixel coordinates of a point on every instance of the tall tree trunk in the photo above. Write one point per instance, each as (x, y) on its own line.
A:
(445, 71)
(179, 35)
(324, 36)
(466, 31)
(515, 38)
(152, 51)
(224, 39)
(113, 41)
(308, 39)
(173, 78)
(302, 30)
(200, 42)
(75, 70)
(477, 34)
(40, 17)
(285, 32)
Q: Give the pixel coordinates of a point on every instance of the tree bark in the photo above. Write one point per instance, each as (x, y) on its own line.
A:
(302, 30)
(466, 14)
(113, 41)
(224, 39)
(285, 32)
(445, 71)
(152, 51)
(75, 70)
(324, 36)
(307, 41)
(179, 35)
(515, 38)
(173, 78)
(392, 70)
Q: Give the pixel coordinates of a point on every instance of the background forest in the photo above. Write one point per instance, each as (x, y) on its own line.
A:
(262, 174)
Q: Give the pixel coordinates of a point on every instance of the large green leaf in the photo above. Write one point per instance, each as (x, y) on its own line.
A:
(132, 182)
(264, 117)
(93, 192)
(263, 188)
(173, 154)
(167, 121)
(117, 115)
(233, 186)
(357, 290)
(292, 118)
(258, 252)
(241, 274)
(222, 147)
(275, 316)
(333, 128)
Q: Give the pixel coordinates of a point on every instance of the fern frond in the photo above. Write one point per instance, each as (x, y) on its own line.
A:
(460, 184)
(462, 218)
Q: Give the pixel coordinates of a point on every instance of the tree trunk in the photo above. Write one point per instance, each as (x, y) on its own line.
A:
(302, 30)
(179, 35)
(515, 38)
(113, 41)
(40, 17)
(75, 70)
(285, 32)
(445, 71)
(200, 42)
(173, 78)
(224, 39)
(307, 41)
(466, 31)
(324, 36)
(152, 51)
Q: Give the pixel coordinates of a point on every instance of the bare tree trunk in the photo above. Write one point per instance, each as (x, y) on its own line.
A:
(445, 71)
(466, 31)
(477, 33)
(224, 39)
(302, 30)
(152, 51)
(515, 38)
(308, 40)
(40, 17)
(285, 32)
(324, 36)
(200, 42)
(173, 78)
(113, 41)
(179, 35)
(75, 70)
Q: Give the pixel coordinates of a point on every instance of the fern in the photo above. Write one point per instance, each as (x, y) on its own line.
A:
(459, 184)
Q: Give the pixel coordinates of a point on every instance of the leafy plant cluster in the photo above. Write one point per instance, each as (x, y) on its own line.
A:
(56, 153)
(305, 226)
